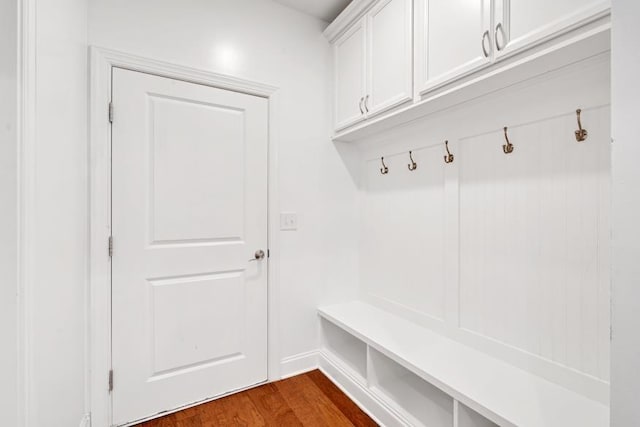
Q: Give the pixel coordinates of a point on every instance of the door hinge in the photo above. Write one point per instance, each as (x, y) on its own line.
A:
(110, 246)
(111, 380)
(110, 112)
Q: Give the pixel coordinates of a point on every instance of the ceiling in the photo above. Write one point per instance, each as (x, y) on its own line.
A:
(326, 10)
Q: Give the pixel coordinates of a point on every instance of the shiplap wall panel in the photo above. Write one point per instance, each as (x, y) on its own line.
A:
(528, 284)
(533, 240)
(406, 269)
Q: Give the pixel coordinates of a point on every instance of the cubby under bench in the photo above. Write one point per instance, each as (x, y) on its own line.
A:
(404, 374)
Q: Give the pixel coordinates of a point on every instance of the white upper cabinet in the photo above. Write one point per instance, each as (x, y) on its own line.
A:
(350, 58)
(389, 76)
(453, 38)
(390, 53)
(374, 62)
(522, 23)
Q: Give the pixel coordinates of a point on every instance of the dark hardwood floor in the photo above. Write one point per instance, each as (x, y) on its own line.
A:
(309, 399)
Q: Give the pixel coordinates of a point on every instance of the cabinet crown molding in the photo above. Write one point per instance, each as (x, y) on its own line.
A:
(351, 13)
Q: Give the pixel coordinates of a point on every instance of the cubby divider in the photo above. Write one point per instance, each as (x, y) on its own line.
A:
(467, 417)
(415, 399)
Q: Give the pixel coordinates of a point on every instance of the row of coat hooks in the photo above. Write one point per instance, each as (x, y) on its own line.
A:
(448, 158)
(507, 148)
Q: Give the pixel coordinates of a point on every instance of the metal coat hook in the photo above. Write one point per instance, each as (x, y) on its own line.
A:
(384, 169)
(413, 165)
(508, 147)
(581, 134)
(448, 158)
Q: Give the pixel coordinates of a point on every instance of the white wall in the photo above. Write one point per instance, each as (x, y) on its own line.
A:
(257, 40)
(8, 210)
(263, 41)
(625, 346)
(507, 253)
(56, 219)
(253, 39)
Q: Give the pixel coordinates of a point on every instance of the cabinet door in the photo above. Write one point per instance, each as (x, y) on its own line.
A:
(390, 62)
(522, 23)
(453, 38)
(350, 75)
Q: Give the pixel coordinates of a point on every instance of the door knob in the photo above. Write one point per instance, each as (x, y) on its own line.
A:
(259, 255)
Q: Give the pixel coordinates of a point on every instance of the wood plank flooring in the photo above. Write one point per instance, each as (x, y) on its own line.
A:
(309, 399)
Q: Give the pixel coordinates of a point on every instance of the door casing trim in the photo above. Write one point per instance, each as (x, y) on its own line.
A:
(98, 338)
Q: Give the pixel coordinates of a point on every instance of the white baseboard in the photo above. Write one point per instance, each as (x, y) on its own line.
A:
(298, 364)
(359, 393)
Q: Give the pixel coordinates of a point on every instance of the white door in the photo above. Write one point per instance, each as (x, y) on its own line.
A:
(522, 23)
(349, 52)
(390, 55)
(453, 39)
(189, 210)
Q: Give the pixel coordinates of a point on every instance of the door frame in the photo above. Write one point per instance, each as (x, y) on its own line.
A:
(99, 346)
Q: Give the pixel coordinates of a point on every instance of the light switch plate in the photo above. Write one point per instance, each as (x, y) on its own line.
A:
(288, 221)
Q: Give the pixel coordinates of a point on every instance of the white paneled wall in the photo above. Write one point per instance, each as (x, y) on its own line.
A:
(506, 253)
(393, 201)
(534, 233)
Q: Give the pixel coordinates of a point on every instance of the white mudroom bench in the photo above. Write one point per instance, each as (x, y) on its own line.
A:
(405, 374)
